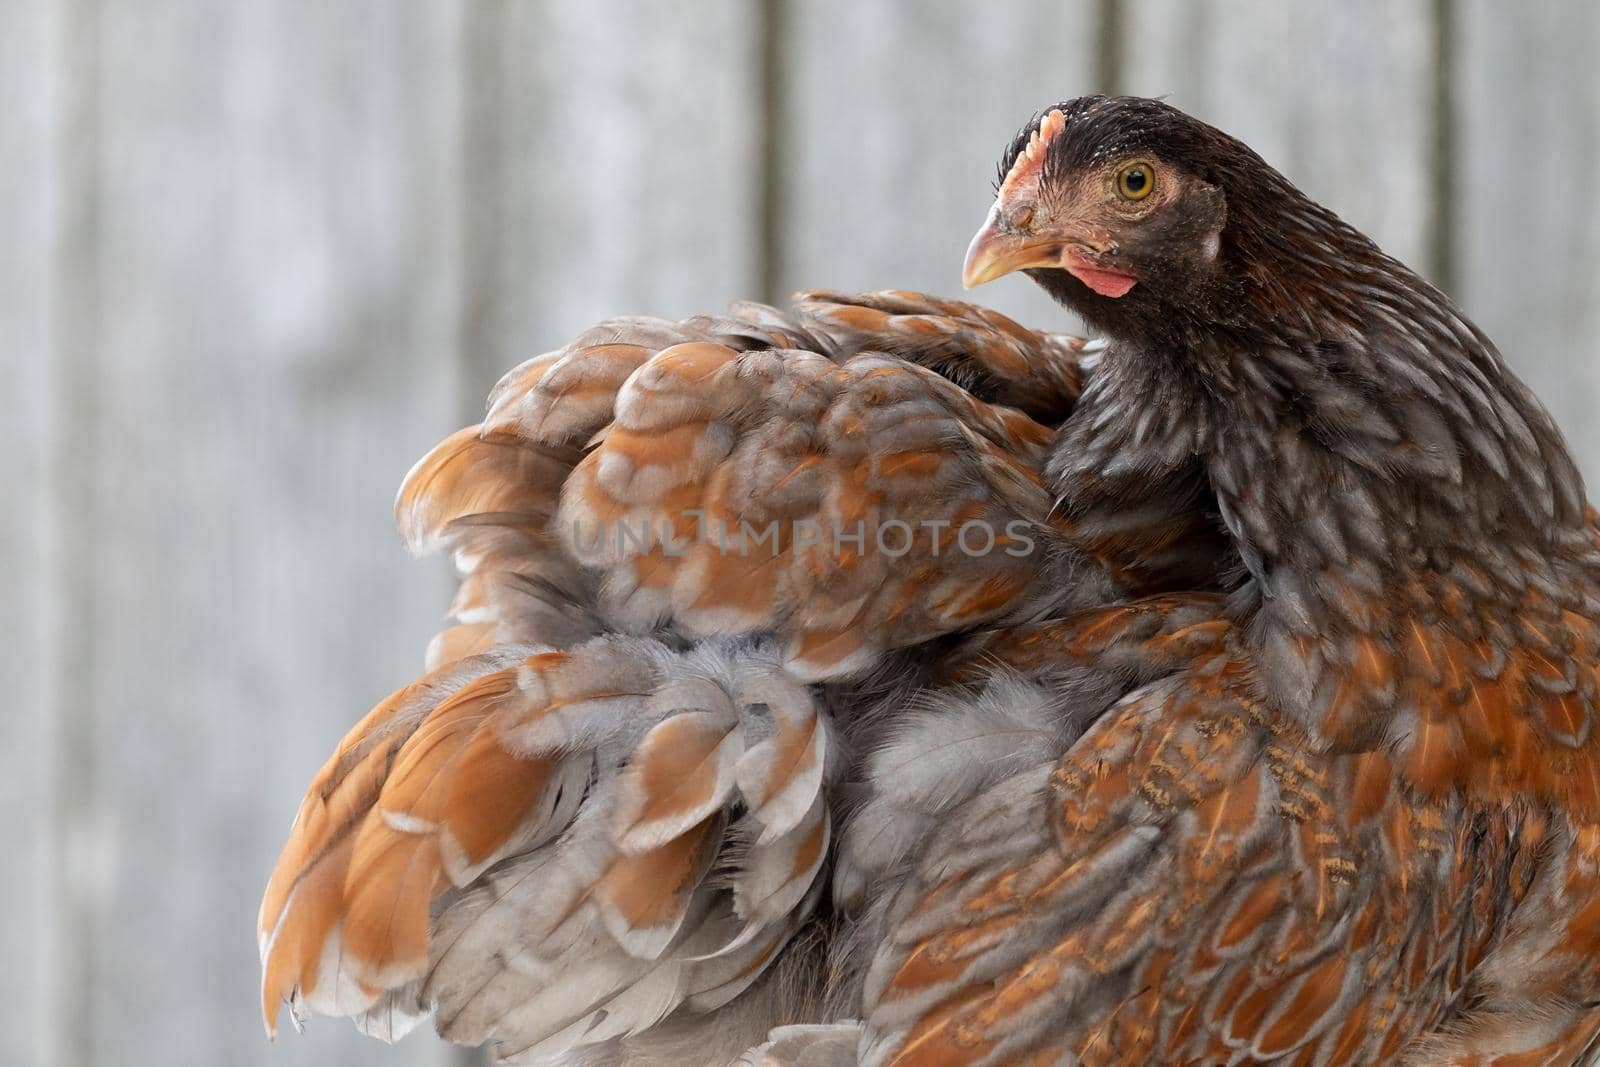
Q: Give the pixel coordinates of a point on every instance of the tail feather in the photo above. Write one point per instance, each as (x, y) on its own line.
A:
(558, 851)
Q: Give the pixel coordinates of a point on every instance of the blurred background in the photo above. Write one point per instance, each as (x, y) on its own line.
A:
(255, 258)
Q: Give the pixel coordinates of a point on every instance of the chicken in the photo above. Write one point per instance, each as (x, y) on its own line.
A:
(883, 683)
(613, 795)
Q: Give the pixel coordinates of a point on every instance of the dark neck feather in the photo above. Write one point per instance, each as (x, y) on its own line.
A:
(1326, 378)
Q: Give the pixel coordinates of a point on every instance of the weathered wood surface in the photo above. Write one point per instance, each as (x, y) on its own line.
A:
(259, 332)
(1336, 96)
(894, 118)
(1528, 91)
(259, 256)
(31, 254)
(611, 155)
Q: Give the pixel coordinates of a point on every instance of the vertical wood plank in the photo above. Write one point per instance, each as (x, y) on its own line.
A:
(611, 167)
(1338, 97)
(612, 150)
(897, 116)
(1528, 96)
(30, 132)
(273, 321)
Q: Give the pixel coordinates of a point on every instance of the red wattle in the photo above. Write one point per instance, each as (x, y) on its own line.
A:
(1105, 282)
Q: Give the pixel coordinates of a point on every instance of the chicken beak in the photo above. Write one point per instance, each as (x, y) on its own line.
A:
(994, 253)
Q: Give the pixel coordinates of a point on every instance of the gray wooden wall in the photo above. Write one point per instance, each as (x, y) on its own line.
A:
(256, 257)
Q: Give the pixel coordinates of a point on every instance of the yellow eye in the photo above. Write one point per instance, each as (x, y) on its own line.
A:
(1135, 181)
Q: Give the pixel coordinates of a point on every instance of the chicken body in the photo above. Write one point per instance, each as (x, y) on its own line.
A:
(926, 690)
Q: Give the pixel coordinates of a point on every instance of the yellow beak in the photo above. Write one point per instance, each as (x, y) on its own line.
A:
(994, 253)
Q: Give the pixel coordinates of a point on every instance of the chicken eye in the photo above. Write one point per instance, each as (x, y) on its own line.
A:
(1135, 181)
